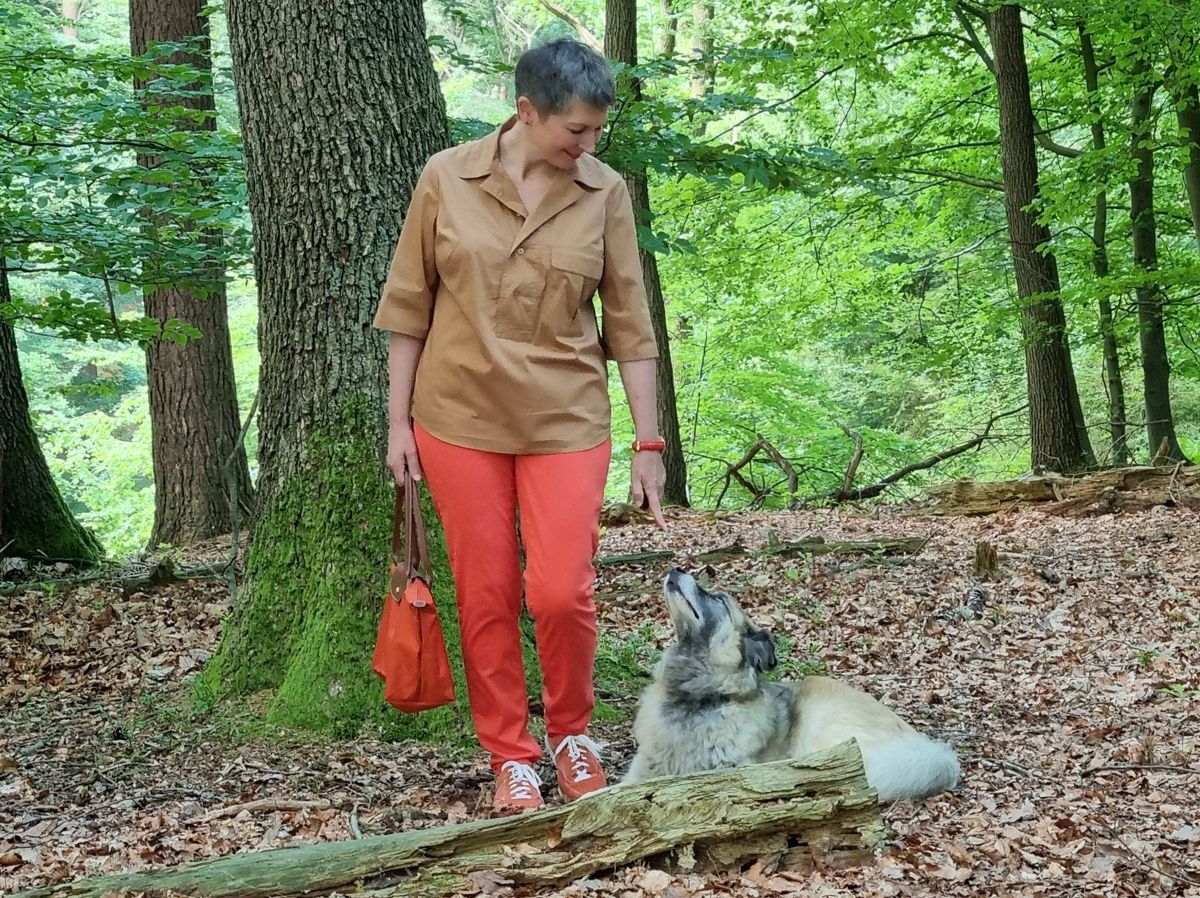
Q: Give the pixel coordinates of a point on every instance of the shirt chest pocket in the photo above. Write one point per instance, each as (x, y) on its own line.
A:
(577, 270)
(548, 287)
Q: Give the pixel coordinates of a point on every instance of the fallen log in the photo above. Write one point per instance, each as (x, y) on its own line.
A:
(1101, 492)
(811, 545)
(808, 812)
(635, 557)
(129, 579)
(816, 545)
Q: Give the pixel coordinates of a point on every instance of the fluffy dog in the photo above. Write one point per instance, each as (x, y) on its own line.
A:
(708, 707)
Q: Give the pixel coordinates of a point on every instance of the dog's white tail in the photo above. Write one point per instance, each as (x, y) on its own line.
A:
(913, 766)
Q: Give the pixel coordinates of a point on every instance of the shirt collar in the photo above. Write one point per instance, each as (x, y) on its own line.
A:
(482, 157)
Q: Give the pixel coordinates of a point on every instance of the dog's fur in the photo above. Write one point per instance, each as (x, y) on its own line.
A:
(708, 707)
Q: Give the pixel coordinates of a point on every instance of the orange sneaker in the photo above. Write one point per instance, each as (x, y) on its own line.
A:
(577, 763)
(518, 789)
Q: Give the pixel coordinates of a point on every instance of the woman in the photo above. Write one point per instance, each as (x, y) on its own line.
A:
(498, 396)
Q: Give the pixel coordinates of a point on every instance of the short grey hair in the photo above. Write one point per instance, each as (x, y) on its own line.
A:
(556, 73)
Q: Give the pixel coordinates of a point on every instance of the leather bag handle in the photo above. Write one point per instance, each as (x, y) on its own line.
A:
(407, 516)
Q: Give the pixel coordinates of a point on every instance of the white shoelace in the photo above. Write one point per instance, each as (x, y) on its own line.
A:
(524, 779)
(575, 746)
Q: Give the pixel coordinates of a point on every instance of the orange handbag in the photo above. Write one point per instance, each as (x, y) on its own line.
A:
(410, 651)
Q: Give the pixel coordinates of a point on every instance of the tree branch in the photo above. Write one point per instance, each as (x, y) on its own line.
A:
(955, 176)
(869, 492)
(575, 22)
(1041, 135)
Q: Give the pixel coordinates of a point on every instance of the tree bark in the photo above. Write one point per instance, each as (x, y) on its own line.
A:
(1156, 366)
(1114, 388)
(620, 43)
(194, 418)
(705, 72)
(340, 109)
(670, 28)
(1187, 113)
(1058, 435)
(1100, 492)
(72, 10)
(815, 810)
(34, 520)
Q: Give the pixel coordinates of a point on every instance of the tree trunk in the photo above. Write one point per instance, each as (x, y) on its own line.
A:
(1187, 112)
(1114, 388)
(620, 43)
(194, 417)
(1156, 367)
(340, 109)
(1058, 436)
(670, 28)
(34, 520)
(705, 72)
(72, 10)
(799, 814)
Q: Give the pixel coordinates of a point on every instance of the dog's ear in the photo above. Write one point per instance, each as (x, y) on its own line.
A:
(759, 647)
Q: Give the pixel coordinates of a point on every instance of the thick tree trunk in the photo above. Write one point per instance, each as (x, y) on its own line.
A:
(1058, 436)
(670, 28)
(1156, 367)
(1114, 388)
(340, 109)
(34, 520)
(193, 403)
(620, 43)
(815, 811)
(1187, 112)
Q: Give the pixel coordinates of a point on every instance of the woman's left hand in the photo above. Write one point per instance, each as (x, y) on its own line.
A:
(647, 479)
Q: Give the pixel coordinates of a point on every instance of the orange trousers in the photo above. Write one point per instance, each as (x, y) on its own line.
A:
(477, 495)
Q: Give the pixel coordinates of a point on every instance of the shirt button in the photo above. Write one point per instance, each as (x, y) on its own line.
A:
(521, 251)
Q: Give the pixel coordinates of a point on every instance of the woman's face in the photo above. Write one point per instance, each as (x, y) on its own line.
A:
(562, 137)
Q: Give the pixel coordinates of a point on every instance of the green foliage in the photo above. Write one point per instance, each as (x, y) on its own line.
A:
(97, 178)
(831, 238)
(90, 409)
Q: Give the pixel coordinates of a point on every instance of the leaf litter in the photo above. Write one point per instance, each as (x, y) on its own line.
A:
(1070, 686)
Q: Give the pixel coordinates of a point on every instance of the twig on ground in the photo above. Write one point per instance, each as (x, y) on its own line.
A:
(1184, 877)
(1008, 765)
(266, 804)
(1192, 771)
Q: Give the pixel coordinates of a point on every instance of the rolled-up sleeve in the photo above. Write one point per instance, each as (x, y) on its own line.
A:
(628, 334)
(406, 306)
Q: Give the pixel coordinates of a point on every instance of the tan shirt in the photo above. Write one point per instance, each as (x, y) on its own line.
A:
(513, 360)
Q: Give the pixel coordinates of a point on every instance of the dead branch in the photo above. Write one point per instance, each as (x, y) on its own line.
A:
(734, 472)
(266, 804)
(585, 33)
(161, 572)
(1190, 771)
(1115, 490)
(845, 494)
(804, 812)
(229, 472)
(635, 557)
(855, 459)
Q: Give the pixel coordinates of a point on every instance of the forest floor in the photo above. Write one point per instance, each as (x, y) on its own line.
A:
(1072, 696)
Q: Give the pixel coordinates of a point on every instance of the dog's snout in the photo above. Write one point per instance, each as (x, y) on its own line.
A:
(676, 578)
